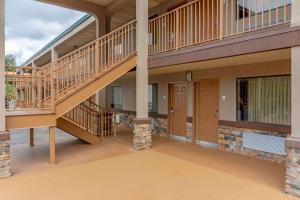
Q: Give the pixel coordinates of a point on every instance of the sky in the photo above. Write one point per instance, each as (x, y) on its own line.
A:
(30, 25)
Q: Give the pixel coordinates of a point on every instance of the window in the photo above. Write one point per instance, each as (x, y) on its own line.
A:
(246, 6)
(264, 100)
(153, 98)
(116, 97)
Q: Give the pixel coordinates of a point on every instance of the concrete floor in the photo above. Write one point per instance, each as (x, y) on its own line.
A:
(170, 170)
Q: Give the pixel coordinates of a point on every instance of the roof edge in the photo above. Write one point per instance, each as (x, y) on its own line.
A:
(60, 36)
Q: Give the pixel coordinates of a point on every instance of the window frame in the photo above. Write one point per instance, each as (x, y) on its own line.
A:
(112, 104)
(237, 100)
(253, 12)
(153, 96)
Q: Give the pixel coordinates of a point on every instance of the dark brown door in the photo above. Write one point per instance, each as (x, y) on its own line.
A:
(178, 109)
(207, 110)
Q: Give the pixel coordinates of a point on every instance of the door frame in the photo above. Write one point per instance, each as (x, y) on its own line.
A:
(194, 124)
(170, 101)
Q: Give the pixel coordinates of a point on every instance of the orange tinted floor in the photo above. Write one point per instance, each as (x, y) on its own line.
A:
(169, 171)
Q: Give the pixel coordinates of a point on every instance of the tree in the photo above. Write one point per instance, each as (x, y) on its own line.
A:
(10, 60)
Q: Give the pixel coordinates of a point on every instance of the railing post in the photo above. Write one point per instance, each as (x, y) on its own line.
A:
(115, 124)
(221, 21)
(102, 124)
(39, 91)
(97, 57)
(177, 30)
(52, 86)
(34, 85)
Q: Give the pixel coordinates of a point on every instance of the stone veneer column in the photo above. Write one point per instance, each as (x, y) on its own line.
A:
(4, 135)
(142, 134)
(5, 154)
(292, 184)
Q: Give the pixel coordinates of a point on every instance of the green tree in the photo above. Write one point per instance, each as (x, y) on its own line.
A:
(10, 60)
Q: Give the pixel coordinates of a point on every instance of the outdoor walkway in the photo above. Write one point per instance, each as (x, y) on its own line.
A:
(169, 171)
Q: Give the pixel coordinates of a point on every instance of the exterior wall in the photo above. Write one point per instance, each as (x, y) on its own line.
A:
(227, 76)
(158, 126)
(229, 137)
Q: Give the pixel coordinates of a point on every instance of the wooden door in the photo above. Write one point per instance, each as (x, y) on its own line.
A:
(178, 109)
(207, 110)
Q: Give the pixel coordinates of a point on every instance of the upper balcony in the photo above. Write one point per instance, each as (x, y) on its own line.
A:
(203, 21)
(183, 24)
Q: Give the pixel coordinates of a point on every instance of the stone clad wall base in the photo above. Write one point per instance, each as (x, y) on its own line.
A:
(142, 135)
(292, 178)
(5, 170)
(158, 126)
(231, 140)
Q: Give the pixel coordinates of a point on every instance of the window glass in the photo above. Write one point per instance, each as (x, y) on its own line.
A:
(116, 97)
(264, 100)
(152, 97)
(254, 6)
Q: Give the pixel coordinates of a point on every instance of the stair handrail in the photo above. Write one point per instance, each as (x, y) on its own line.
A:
(93, 119)
(54, 81)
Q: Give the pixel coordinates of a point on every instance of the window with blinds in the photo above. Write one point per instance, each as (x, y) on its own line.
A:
(264, 99)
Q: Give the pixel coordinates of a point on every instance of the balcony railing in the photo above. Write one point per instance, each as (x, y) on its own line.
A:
(206, 20)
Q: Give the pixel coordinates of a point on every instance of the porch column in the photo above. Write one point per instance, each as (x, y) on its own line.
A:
(31, 137)
(100, 24)
(54, 55)
(142, 135)
(101, 30)
(292, 144)
(5, 170)
(52, 145)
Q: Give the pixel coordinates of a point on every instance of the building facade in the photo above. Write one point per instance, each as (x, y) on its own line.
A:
(222, 73)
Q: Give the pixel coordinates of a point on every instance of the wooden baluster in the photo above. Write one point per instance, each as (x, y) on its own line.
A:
(115, 125)
(177, 29)
(221, 27)
(102, 124)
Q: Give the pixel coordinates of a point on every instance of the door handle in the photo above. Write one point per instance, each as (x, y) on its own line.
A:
(217, 113)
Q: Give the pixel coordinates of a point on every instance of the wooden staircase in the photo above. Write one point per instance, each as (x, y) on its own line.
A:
(45, 96)
(89, 122)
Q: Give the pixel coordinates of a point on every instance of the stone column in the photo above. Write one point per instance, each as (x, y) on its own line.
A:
(5, 170)
(292, 184)
(4, 155)
(142, 134)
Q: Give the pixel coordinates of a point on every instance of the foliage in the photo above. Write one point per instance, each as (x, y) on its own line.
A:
(10, 60)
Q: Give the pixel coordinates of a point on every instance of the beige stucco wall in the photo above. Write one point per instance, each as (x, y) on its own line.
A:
(227, 76)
